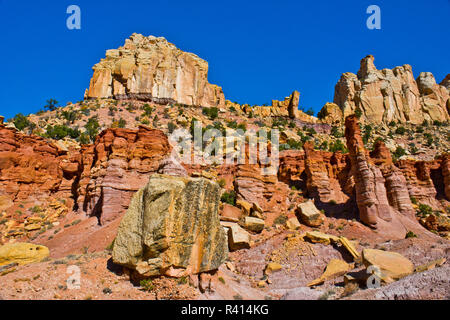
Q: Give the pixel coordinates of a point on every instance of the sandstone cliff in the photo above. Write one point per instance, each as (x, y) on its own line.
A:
(380, 187)
(152, 69)
(392, 95)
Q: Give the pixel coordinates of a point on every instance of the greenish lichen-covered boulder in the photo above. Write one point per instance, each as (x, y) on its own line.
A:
(172, 228)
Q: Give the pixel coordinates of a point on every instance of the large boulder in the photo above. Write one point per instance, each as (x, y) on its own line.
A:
(392, 265)
(309, 214)
(172, 228)
(22, 253)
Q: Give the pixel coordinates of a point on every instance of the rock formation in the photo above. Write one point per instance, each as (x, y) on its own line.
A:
(331, 113)
(392, 95)
(321, 170)
(22, 253)
(118, 165)
(286, 108)
(172, 227)
(446, 174)
(33, 169)
(380, 188)
(152, 69)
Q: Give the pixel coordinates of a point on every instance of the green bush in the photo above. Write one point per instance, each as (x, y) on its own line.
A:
(20, 121)
(399, 152)
(70, 116)
(338, 146)
(171, 127)
(51, 105)
(400, 130)
(410, 234)
(335, 132)
(59, 132)
(212, 112)
(229, 197)
(424, 210)
(92, 127)
(122, 123)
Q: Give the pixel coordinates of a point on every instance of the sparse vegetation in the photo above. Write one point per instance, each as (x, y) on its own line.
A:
(229, 197)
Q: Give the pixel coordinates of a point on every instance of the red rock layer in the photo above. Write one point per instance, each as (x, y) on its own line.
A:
(98, 179)
(119, 164)
(31, 169)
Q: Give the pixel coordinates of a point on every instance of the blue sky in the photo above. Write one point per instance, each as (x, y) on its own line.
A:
(257, 50)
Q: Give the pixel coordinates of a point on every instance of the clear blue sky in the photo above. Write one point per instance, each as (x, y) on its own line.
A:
(257, 50)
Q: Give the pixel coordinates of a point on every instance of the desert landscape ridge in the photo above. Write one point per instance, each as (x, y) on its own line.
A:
(357, 208)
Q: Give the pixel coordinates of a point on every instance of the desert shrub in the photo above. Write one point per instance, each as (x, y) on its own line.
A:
(70, 116)
(84, 139)
(424, 210)
(358, 113)
(212, 112)
(92, 127)
(310, 131)
(338, 145)
(410, 234)
(122, 123)
(51, 105)
(309, 112)
(20, 121)
(335, 132)
(400, 130)
(59, 132)
(147, 284)
(229, 197)
(323, 145)
(171, 127)
(399, 152)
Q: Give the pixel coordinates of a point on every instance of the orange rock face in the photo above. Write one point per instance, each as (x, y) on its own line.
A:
(381, 189)
(323, 170)
(118, 165)
(446, 174)
(98, 179)
(31, 169)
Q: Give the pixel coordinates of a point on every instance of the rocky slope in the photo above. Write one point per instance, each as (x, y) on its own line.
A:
(344, 186)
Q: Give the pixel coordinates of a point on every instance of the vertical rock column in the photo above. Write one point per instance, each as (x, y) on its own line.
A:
(371, 195)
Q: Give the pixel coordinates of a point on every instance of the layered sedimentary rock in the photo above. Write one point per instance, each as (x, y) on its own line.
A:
(172, 228)
(263, 190)
(446, 174)
(122, 161)
(391, 95)
(152, 69)
(322, 171)
(423, 179)
(380, 188)
(32, 169)
(98, 179)
(395, 181)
